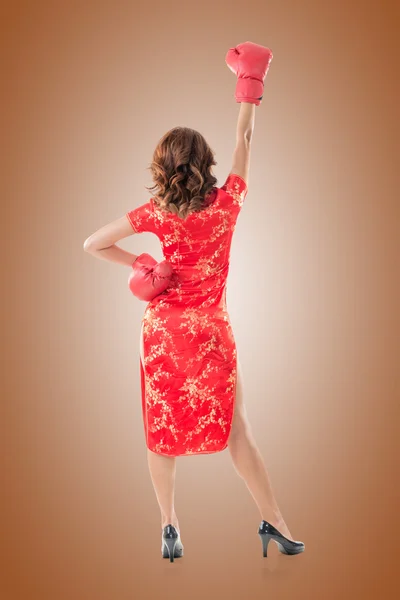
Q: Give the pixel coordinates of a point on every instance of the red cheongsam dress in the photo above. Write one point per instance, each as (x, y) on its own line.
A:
(188, 358)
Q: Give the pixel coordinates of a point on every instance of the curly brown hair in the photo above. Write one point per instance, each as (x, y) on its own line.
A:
(181, 169)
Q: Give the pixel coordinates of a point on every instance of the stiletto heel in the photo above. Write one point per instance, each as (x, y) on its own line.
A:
(171, 543)
(265, 537)
(268, 532)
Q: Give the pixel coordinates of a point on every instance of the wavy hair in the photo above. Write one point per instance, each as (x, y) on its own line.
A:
(181, 170)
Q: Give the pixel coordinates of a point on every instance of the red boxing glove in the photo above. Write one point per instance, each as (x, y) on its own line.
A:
(149, 278)
(250, 63)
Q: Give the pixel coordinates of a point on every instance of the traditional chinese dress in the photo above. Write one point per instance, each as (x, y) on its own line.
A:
(188, 358)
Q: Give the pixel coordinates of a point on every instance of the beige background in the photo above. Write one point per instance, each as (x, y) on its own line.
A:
(90, 87)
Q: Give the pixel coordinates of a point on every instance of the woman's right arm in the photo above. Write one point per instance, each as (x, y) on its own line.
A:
(244, 133)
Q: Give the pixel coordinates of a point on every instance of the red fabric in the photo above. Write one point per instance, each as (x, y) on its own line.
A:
(188, 377)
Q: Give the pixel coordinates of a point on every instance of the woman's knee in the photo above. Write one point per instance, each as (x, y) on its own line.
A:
(240, 424)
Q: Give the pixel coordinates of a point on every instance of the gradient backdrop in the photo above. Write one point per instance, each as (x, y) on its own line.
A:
(89, 89)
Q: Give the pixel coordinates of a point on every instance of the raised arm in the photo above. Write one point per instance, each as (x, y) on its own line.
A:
(244, 133)
(250, 63)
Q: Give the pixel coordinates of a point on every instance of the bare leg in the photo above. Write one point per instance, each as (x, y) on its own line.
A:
(250, 465)
(162, 471)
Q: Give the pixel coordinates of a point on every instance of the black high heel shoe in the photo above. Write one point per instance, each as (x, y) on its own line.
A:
(171, 543)
(268, 532)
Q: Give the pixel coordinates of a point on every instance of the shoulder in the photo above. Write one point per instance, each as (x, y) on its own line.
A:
(235, 187)
(142, 218)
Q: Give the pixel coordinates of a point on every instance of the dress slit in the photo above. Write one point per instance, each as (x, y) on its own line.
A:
(233, 398)
(143, 386)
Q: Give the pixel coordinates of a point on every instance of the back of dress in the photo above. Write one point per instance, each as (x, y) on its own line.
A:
(188, 361)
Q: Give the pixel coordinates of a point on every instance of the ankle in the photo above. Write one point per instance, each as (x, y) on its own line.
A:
(275, 518)
(170, 521)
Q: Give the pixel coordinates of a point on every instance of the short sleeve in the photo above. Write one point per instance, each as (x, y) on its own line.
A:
(142, 218)
(236, 187)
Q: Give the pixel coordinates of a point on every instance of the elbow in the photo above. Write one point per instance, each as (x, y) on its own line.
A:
(244, 139)
(88, 245)
(247, 137)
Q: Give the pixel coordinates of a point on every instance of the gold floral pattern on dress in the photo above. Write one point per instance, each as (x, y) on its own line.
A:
(189, 366)
(235, 189)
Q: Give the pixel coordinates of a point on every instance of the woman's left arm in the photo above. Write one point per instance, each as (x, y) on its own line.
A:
(102, 243)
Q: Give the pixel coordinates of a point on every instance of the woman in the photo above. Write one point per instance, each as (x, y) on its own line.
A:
(191, 378)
